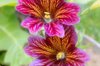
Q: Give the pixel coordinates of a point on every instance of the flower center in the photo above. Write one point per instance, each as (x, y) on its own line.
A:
(47, 17)
(60, 56)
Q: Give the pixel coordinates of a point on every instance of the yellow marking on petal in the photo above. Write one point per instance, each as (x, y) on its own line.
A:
(60, 55)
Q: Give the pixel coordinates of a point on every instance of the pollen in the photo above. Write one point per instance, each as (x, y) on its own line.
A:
(60, 56)
(47, 15)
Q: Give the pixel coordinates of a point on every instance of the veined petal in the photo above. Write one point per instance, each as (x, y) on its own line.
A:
(42, 62)
(55, 42)
(77, 58)
(70, 38)
(54, 29)
(69, 19)
(67, 43)
(51, 5)
(29, 7)
(39, 5)
(37, 47)
(37, 62)
(23, 9)
(71, 30)
(47, 62)
(32, 24)
(68, 14)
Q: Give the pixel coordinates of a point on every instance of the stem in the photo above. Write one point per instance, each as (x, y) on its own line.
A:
(91, 40)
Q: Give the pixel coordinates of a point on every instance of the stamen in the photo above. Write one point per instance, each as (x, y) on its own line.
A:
(47, 17)
(60, 56)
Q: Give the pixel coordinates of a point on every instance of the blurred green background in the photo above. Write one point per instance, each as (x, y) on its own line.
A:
(13, 37)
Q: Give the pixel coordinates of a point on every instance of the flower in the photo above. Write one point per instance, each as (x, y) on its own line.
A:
(55, 51)
(48, 13)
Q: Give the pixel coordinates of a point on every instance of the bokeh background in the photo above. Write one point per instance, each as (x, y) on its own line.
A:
(13, 37)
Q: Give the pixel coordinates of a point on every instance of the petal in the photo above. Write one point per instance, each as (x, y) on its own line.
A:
(77, 58)
(70, 39)
(37, 47)
(51, 5)
(42, 62)
(54, 29)
(23, 9)
(47, 62)
(32, 24)
(70, 30)
(29, 7)
(67, 43)
(36, 63)
(68, 14)
(55, 42)
(39, 5)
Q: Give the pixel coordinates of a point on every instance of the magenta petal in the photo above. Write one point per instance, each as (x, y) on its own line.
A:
(72, 7)
(23, 9)
(70, 30)
(22, 1)
(68, 14)
(26, 2)
(32, 24)
(36, 45)
(54, 29)
(41, 62)
(78, 58)
(81, 55)
(70, 20)
(37, 63)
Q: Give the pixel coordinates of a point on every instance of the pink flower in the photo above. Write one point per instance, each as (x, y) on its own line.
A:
(55, 51)
(48, 13)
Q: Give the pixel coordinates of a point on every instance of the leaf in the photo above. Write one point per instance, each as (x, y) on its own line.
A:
(12, 38)
(17, 57)
(90, 22)
(96, 4)
(7, 2)
(2, 54)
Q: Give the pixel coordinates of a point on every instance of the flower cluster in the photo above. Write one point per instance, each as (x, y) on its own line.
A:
(58, 47)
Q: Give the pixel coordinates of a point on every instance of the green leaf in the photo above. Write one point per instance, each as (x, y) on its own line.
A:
(13, 38)
(2, 54)
(7, 2)
(90, 22)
